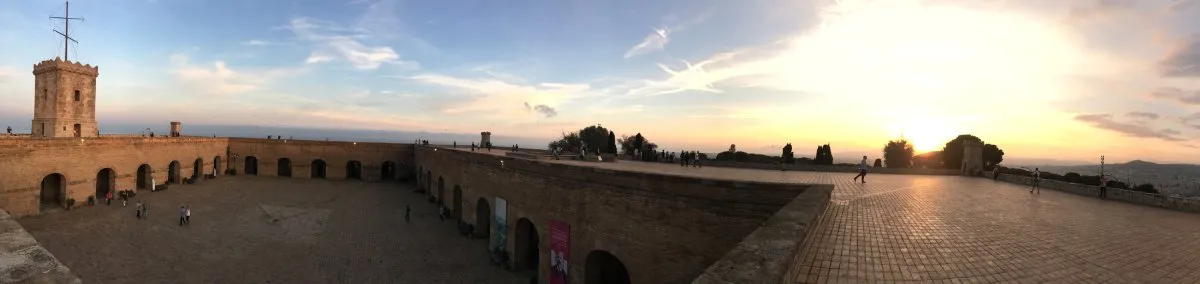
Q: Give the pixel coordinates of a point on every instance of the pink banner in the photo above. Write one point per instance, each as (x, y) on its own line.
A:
(560, 252)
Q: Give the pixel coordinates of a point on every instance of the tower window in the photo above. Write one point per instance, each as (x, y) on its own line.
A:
(77, 95)
(44, 92)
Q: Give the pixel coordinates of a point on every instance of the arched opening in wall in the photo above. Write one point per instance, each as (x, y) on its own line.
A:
(252, 165)
(441, 197)
(318, 169)
(457, 199)
(285, 167)
(216, 169)
(144, 175)
(387, 170)
(483, 218)
(54, 191)
(602, 267)
(428, 182)
(78, 130)
(353, 169)
(106, 181)
(526, 254)
(197, 168)
(173, 173)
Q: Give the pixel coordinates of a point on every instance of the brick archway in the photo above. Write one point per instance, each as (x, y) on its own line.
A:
(54, 191)
(602, 267)
(483, 218)
(527, 247)
(106, 182)
(284, 167)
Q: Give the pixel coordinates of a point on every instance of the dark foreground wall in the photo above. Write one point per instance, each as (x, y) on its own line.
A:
(662, 229)
(41, 174)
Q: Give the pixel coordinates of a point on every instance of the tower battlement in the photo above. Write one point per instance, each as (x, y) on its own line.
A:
(59, 64)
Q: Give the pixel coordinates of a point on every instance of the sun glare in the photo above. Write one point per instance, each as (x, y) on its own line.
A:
(927, 135)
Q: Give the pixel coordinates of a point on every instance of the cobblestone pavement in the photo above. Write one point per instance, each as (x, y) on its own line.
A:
(950, 229)
(268, 230)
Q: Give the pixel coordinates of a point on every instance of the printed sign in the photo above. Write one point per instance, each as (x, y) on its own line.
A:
(500, 228)
(560, 252)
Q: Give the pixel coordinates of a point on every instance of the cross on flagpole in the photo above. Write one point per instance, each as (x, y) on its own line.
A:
(66, 29)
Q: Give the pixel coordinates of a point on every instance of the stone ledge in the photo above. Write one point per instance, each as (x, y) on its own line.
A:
(768, 254)
(23, 260)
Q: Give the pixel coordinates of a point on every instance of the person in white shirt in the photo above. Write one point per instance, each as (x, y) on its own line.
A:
(1103, 186)
(1036, 180)
(862, 170)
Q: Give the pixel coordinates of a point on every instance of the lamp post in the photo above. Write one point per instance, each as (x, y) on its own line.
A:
(1101, 165)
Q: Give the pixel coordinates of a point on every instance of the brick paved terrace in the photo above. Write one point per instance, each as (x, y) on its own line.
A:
(951, 229)
(268, 230)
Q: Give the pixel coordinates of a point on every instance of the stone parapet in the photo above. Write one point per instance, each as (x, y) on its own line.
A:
(819, 168)
(773, 252)
(24, 260)
(67, 65)
(1136, 197)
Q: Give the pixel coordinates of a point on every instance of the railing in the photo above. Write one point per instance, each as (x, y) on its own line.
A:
(1136, 197)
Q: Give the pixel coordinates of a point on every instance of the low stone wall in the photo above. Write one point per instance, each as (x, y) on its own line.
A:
(770, 253)
(1136, 197)
(23, 260)
(816, 168)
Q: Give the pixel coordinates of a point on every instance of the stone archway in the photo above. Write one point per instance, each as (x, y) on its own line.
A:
(318, 169)
(106, 182)
(216, 165)
(54, 191)
(251, 165)
(528, 248)
(602, 267)
(353, 170)
(483, 218)
(441, 197)
(387, 170)
(457, 206)
(284, 167)
(198, 170)
(144, 176)
(173, 173)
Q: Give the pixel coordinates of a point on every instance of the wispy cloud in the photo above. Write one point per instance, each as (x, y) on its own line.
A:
(7, 73)
(489, 95)
(1180, 95)
(544, 110)
(344, 42)
(1143, 115)
(661, 36)
(1106, 121)
(219, 79)
(1183, 60)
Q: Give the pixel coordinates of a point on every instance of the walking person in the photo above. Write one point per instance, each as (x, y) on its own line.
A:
(145, 210)
(108, 198)
(182, 215)
(1103, 186)
(996, 172)
(1035, 181)
(862, 170)
(407, 212)
(187, 219)
(138, 207)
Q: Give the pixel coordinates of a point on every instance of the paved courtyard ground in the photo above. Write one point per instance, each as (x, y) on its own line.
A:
(249, 229)
(950, 229)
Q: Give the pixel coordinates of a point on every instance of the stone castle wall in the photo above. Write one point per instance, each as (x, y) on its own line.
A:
(79, 160)
(664, 229)
(27, 161)
(336, 155)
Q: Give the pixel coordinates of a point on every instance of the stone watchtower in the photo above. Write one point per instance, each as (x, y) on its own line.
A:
(972, 157)
(485, 139)
(64, 100)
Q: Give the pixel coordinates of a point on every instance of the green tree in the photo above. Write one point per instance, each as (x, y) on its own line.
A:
(594, 137)
(568, 142)
(612, 143)
(952, 153)
(992, 155)
(878, 163)
(898, 154)
(788, 156)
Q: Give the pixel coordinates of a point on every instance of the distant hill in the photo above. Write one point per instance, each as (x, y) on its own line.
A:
(1170, 179)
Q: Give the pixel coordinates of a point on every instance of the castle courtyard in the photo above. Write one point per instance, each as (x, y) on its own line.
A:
(247, 229)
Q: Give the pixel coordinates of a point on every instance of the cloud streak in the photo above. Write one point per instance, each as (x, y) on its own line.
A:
(219, 79)
(1183, 60)
(343, 42)
(1143, 115)
(1176, 94)
(1106, 122)
(544, 110)
(660, 37)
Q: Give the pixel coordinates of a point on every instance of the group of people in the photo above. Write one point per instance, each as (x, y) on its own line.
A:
(689, 158)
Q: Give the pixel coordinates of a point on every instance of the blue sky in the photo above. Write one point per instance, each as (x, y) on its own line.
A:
(697, 74)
